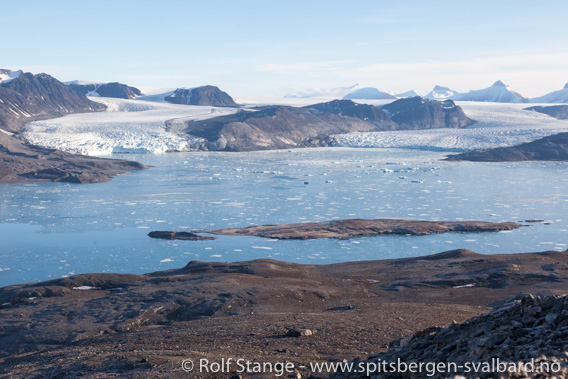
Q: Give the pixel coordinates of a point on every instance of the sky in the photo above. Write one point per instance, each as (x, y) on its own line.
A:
(258, 49)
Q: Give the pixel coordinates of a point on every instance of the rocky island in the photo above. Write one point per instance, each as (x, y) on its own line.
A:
(345, 229)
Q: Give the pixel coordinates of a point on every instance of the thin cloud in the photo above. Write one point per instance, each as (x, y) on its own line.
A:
(303, 66)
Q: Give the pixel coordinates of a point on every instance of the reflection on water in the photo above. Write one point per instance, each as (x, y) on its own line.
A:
(50, 230)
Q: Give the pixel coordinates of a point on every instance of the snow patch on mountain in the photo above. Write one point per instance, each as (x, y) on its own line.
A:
(127, 126)
(499, 92)
(498, 125)
(368, 93)
(9, 75)
(440, 93)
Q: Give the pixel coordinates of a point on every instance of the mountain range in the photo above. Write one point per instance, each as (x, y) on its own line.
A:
(499, 92)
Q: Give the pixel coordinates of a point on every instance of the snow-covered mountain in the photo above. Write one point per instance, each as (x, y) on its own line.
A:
(411, 93)
(368, 93)
(9, 75)
(560, 96)
(440, 93)
(499, 92)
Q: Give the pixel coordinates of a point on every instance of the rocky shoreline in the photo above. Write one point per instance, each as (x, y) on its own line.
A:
(145, 325)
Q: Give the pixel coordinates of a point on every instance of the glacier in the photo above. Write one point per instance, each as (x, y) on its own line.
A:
(499, 124)
(137, 126)
(127, 126)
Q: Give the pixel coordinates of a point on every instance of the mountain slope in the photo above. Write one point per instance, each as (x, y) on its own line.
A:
(114, 89)
(33, 97)
(499, 92)
(419, 113)
(368, 93)
(551, 148)
(282, 127)
(560, 96)
(204, 95)
(557, 111)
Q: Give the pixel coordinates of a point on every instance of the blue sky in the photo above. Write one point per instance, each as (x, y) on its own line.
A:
(260, 48)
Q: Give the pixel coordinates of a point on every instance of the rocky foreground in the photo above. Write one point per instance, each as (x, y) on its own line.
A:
(105, 325)
(526, 338)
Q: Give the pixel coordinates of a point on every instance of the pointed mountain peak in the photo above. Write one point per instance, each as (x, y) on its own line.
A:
(499, 83)
(566, 86)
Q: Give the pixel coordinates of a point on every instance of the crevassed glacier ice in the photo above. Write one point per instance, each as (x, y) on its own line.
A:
(127, 126)
(498, 125)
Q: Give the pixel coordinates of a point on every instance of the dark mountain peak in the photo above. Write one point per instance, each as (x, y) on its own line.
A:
(113, 89)
(204, 95)
(419, 113)
(499, 83)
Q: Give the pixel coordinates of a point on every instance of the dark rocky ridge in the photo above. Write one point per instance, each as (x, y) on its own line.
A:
(345, 229)
(37, 97)
(114, 89)
(551, 148)
(137, 325)
(557, 111)
(204, 95)
(532, 330)
(282, 127)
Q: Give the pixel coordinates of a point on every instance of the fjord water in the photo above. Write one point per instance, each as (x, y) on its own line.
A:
(50, 230)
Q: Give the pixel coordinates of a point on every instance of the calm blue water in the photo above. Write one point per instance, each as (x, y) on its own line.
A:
(51, 230)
